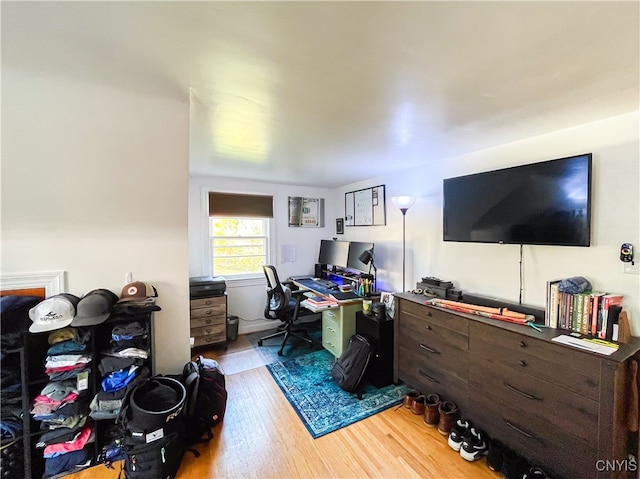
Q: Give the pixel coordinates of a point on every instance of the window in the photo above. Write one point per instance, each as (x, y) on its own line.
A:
(239, 233)
(239, 246)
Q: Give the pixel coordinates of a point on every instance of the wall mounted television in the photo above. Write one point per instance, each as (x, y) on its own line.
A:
(545, 203)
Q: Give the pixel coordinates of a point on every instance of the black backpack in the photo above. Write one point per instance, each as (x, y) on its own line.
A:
(206, 398)
(350, 368)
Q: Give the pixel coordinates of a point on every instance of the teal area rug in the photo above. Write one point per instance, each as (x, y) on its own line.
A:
(320, 403)
(294, 347)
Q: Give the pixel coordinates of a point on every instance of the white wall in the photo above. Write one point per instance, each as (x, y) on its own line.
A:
(493, 269)
(246, 298)
(95, 182)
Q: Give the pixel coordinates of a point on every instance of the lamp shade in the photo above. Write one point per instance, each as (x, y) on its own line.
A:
(403, 202)
(366, 256)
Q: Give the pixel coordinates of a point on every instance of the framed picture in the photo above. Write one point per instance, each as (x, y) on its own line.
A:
(388, 300)
(306, 212)
(340, 226)
(365, 207)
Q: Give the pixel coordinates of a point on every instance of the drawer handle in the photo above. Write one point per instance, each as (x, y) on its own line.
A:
(429, 328)
(522, 393)
(209, 340)
(208, 312)
(427, 348)
(428, 313)
(208, 321)
(523, 344)
(208, 302)
(521, 431)
(522, 363)
(433, 380)
(208, 330)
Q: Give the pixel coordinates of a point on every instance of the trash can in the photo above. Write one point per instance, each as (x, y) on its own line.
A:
(232, 328)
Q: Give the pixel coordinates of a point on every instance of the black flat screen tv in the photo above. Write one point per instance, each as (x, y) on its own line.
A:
(546, 203)
(333, 252)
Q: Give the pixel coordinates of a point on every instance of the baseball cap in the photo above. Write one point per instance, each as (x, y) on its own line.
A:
(94, 307)
(137, 291)
(53, 313)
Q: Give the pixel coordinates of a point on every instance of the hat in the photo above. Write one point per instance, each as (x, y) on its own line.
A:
(94, 307)
(137, 291)
(53, 313)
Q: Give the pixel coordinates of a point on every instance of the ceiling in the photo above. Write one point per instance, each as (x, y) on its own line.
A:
(292, 92)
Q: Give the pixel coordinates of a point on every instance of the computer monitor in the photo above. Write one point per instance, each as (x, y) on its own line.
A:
(355, 250)
(333, 252)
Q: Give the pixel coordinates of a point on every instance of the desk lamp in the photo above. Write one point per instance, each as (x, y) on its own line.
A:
(403, 203)
(367, 258)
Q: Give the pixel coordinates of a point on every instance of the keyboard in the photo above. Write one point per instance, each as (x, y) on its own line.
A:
(325, 283)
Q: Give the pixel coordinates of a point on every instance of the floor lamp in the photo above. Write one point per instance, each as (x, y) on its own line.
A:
(403, 203)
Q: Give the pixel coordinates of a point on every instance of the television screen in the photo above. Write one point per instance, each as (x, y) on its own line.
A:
(546, 203)
(333, 252)
(355, 250)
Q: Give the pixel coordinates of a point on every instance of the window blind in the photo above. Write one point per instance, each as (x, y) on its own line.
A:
(240, 205)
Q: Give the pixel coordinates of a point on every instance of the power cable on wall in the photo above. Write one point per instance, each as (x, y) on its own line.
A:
(521, 277)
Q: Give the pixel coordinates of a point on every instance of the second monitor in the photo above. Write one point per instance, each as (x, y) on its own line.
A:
(356, 248)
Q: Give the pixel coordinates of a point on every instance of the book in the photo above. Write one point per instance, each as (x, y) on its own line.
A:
(595, 308)
(608, 300)
(553, 304)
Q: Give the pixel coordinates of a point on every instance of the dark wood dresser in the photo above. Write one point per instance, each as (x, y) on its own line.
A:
(562, 408)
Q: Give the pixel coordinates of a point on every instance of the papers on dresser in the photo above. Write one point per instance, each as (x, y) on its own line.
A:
(593, 345)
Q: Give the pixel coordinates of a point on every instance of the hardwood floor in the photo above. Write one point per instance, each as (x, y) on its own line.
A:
(262, 437)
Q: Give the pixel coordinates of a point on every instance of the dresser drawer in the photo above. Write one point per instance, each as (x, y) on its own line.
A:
(564, 454)
(208, 321)
(568, 368)
(435, 316)
(211, 339)
(209, 311)
(435, 352)
(431, 331)
(561, 408)
(429, 379)
(208, 302)
(215, 329)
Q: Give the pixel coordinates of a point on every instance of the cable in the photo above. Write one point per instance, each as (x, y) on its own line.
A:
(521, 278)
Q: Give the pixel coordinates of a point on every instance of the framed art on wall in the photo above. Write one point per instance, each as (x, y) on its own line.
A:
(340, 226)
(365, 207)
(306, 212)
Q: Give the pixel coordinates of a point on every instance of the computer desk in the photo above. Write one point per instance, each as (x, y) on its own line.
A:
(339, 322)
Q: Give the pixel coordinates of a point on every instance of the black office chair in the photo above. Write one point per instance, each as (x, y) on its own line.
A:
(282, 304)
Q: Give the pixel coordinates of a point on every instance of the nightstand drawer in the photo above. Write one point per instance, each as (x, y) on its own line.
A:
(428, 330)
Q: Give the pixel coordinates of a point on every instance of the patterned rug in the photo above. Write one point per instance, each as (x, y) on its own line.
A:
(294, 347)
(320, 403)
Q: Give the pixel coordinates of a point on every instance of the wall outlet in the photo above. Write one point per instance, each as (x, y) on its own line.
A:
(632, 268)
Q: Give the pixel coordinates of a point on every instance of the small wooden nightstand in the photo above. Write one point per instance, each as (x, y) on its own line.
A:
(209, 321)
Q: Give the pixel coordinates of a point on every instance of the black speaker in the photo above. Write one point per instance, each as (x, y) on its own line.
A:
(321, 270)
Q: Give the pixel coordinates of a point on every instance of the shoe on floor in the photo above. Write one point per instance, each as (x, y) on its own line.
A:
(474, 446)
(494, 456)
(535, 473)
(431, 414)
(418, 406)
(448, 413)
(458, 432)
(514, 466)
(409, 398)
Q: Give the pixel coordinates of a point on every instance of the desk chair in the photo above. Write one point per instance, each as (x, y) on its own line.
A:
(282, 304)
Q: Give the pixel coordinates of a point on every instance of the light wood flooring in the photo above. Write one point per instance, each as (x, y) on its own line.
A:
(262, 437)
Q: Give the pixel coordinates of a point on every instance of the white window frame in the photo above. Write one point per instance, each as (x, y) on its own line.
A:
(246, 276)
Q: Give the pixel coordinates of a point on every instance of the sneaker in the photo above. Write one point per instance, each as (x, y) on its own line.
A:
(458, 432)
(495, 454)
(535, 473)
(474, 446)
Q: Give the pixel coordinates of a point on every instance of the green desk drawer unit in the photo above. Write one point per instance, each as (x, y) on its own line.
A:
(338, 325)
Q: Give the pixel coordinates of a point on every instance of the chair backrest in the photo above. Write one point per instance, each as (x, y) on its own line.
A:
(278, 295)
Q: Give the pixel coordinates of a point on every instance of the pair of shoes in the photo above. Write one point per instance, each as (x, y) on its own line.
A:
(410, 398)
(448, 413)
(470, 441)
(495, 454)
(431, 414)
